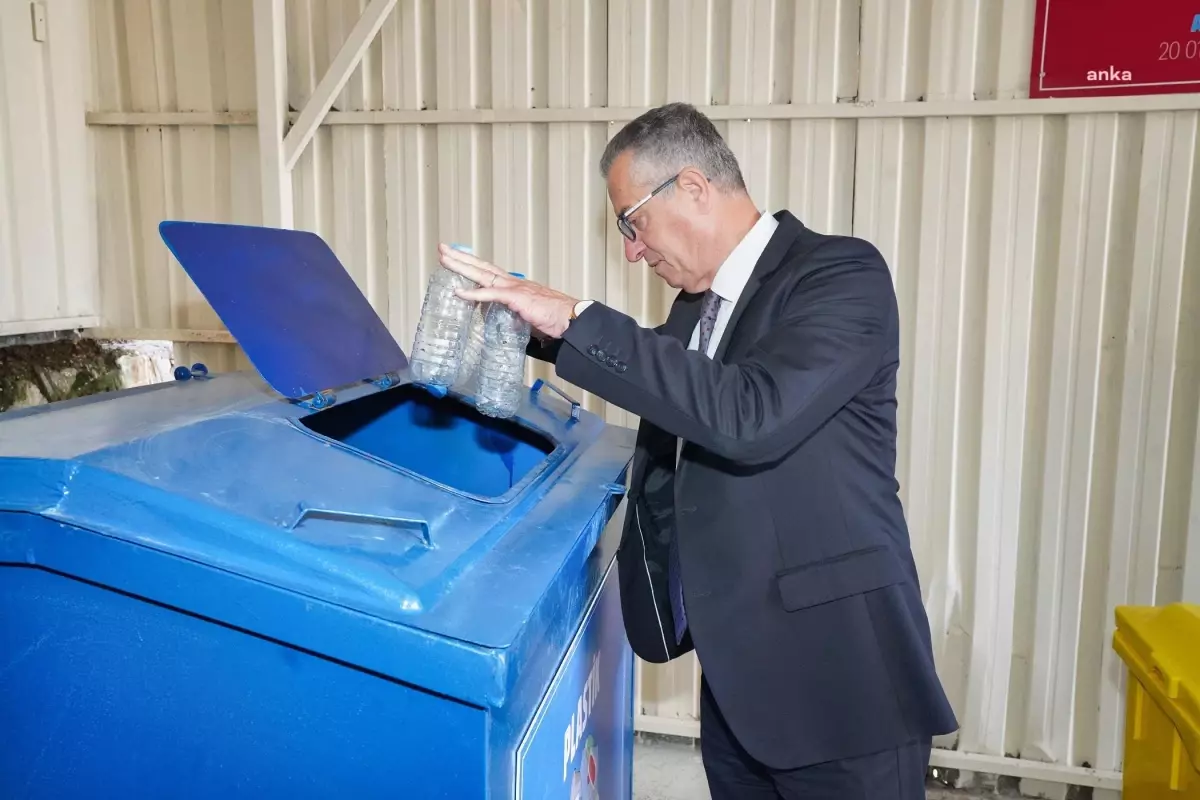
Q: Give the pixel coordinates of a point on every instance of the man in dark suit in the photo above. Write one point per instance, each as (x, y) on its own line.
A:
(764, 527)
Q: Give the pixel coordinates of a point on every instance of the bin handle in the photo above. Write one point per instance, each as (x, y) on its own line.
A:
(1162, 670)
(537, 387)
(417, 527)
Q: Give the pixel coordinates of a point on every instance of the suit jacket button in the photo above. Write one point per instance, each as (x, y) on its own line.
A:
(621, 367)
(592, 350)
(600, 354)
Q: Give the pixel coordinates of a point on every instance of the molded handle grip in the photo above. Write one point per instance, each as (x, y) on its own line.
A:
(537, 387)
(417, 527)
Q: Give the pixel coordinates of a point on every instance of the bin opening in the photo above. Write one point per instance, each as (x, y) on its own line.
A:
(442, 439)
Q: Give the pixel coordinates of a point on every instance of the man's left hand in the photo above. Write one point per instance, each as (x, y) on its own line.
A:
(548, 312)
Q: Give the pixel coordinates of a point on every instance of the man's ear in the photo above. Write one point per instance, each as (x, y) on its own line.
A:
(692, 182)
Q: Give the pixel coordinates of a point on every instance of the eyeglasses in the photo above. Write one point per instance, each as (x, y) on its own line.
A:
(623, 224)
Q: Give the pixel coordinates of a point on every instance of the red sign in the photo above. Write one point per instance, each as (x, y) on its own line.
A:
(1090, 48)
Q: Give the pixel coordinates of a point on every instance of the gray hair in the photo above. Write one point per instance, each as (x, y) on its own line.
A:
(667, 139)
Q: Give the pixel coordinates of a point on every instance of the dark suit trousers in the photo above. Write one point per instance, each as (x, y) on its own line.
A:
(735, 775)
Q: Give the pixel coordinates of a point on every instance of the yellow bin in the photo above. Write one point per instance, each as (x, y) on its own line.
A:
(1161, 647)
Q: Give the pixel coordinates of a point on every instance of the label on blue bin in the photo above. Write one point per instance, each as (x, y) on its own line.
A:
(580, 744)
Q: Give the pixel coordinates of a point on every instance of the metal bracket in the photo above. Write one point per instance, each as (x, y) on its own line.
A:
(537, 387)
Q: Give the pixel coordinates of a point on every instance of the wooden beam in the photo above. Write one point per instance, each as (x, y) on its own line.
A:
(171, 118)
(197, 336)
(343, 65)
(48, 325)
(270, 66)
(1025, 769)
(783, 111)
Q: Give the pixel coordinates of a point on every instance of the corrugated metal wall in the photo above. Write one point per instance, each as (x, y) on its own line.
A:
(47, 224)
(1047, 265)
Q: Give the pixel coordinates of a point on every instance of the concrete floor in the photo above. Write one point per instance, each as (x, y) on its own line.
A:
(668, 769)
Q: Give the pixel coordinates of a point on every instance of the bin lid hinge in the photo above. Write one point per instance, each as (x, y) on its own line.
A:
(318, 401)
(385, 381)
(327, 397)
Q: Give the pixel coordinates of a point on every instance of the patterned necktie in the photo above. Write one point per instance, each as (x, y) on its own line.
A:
(708, 321)
(708, 318)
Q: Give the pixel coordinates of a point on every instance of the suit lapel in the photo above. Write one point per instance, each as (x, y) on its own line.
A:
(770, 260)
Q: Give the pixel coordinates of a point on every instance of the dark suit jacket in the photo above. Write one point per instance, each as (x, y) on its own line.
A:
(802, 594)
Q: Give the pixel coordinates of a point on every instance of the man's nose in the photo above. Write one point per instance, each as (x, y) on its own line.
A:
(634, 250)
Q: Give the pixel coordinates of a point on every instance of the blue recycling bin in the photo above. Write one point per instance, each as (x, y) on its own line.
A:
(317, 581)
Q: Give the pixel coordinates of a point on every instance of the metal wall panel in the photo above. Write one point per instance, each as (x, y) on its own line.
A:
(1047, 265)
(48, 273)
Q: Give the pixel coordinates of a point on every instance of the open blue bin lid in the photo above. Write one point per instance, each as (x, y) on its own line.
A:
(289, 302)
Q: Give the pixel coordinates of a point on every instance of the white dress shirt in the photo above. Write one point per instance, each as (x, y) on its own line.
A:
(732, 277)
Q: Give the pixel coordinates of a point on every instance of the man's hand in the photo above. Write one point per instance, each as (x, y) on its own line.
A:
(548, 312)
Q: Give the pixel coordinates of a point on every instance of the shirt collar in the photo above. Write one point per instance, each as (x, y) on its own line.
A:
(734, 273)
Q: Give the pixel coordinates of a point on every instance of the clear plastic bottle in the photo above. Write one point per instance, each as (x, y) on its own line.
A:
(468, 373)
(438, 346)
(501, 375)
